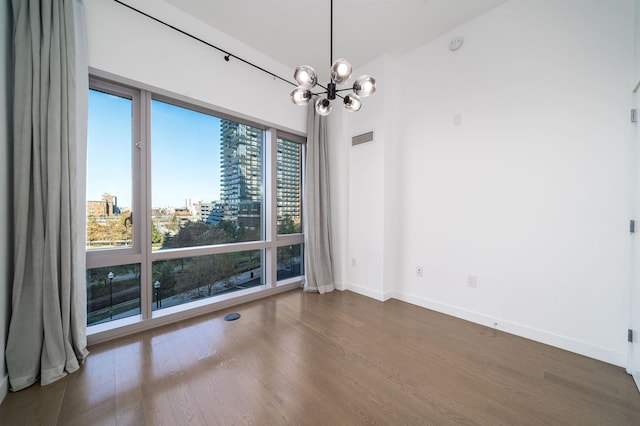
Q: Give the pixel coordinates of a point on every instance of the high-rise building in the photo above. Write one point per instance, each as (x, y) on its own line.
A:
(241, 173)
(289, 180)
(211, 213)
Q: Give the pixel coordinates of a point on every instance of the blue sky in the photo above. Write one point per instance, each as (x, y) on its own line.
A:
(185, 152)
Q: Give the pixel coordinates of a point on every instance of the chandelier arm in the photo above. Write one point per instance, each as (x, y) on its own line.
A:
(323, 93)
(344, 90)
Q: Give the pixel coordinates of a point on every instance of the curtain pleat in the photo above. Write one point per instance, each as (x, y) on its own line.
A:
(317, 210)
(47, 330)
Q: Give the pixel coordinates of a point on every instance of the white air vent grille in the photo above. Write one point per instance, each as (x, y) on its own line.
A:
(363, 138)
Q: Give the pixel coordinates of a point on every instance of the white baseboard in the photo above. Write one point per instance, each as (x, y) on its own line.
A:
(542, 336)
(4, 387)
(374, 294)
(383, 297)
(340, 286)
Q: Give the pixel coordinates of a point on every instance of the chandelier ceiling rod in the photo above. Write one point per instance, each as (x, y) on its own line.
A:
(331, 37)
(330, 55)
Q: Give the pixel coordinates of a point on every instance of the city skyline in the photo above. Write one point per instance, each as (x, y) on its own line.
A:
(195, 157)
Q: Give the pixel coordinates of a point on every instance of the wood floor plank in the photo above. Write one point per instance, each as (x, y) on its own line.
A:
(341, 359)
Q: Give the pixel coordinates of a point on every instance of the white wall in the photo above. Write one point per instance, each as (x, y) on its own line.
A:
(371, 213)
(5, 191)
(366, 206)
(129, 45)
(531, 193)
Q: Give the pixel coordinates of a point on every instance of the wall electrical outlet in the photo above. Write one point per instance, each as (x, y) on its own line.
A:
(353, 261)
(419, 271)
(471, 280)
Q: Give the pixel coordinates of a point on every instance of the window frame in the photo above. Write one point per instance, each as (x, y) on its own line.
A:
(303, 145)
(282, 240)
(141, 250)
(106, 256)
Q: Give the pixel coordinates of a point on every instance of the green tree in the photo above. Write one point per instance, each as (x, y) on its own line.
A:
(173, 225)
(286, 225)
(156, 236)
(164, 273)
(94, 230)
(193, 234)
(230, 230)
(120, 228)
(211, 272)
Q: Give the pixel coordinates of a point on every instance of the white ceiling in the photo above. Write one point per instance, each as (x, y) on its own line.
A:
(296, 32)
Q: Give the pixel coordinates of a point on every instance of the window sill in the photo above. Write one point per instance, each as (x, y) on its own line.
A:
(123, 327)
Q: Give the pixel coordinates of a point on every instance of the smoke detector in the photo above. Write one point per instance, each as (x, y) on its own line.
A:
(455, 44)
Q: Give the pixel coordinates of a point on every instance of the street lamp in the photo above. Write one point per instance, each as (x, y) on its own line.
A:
(156, 285)
(110, 276)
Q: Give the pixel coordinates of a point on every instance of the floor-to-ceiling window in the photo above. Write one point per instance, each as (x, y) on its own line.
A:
(185, 205)
(289, 206)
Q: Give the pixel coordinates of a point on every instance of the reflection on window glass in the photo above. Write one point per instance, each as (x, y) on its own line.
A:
(290, 261)
(112, 293)
(206, 179)
(109, 223)
(289, 185)
(184, 280)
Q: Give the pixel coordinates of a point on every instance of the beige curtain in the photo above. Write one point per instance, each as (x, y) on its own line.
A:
(47, 331)
(317, 211)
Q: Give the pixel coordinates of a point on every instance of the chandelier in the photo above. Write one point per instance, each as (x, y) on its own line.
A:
(307, 79)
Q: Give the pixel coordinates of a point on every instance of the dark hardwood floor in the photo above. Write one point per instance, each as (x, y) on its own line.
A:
(336, 359)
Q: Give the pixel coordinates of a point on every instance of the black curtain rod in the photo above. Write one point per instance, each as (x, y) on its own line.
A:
(227, 54)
